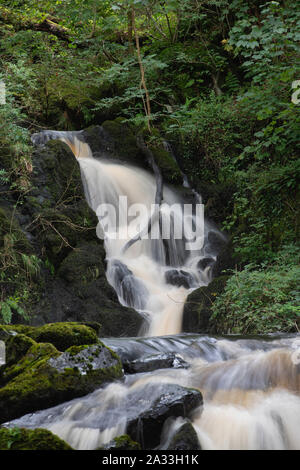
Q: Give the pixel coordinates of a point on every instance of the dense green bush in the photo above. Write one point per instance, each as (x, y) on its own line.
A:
(261, 299)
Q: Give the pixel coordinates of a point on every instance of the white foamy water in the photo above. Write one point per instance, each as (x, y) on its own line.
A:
(125, 196)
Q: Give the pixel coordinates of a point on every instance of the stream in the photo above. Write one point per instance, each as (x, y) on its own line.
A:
(250, 385)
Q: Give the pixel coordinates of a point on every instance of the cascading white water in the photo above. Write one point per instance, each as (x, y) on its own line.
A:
(139, 274)
(250, 387)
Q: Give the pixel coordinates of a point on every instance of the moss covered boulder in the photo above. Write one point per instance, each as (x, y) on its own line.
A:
(197, 309)
(65, 335)
(123, 442)
(30, 439)
(16, 347)
(44, 377)
(62, 335)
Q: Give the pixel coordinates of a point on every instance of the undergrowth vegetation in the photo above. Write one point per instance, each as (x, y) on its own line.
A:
(219, 75)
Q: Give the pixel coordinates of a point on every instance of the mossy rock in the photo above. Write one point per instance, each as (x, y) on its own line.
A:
(185, 438)
(168, 166)
(7, 330)
(60, 170)
(16, 347)
(197, 309)
(30, 439)
(64, 335)
(62, 230)
(83, 265)
(45, 377)
(117, 140)
(4, 333)
(57, 203)
(123, 142)
(123, 442)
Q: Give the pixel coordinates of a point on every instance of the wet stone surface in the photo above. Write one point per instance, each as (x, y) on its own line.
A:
(154, 362)
(84, 359)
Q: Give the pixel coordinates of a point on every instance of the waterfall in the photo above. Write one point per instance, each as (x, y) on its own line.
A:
(156, 273)
(250, 386)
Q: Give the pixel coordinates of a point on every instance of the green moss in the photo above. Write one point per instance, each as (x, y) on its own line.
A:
(168, 166)
(61, 334)
(125, 148)
(124, 141)
(64, 335)
(4, 333)
(30, 439)
(83, 265)
(7, 330)
(44, 377)
(16, 347)
(34, 357)
(123, 442)
(9, 227)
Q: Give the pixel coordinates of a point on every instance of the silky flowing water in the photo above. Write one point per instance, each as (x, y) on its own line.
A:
(250, 386)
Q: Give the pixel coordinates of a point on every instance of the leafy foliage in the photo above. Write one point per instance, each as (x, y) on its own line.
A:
(262, 299)
(219, 75)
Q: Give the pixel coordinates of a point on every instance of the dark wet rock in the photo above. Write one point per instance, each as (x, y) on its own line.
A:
(173, 401)
(197, 309)
(80, 292)
(30, 439)
(130, 289)
(60, 216)
(117, 140)
(205, 263)
(217, 197)
(85, 359)
(45, 377)
(185, 438)
(227, 260)
(180, 278)
(56, 224)
(157, 361)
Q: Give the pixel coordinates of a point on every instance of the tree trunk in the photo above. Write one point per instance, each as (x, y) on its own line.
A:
(143, 80)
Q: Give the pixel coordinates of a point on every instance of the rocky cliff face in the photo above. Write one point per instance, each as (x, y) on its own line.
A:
(55, 226)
